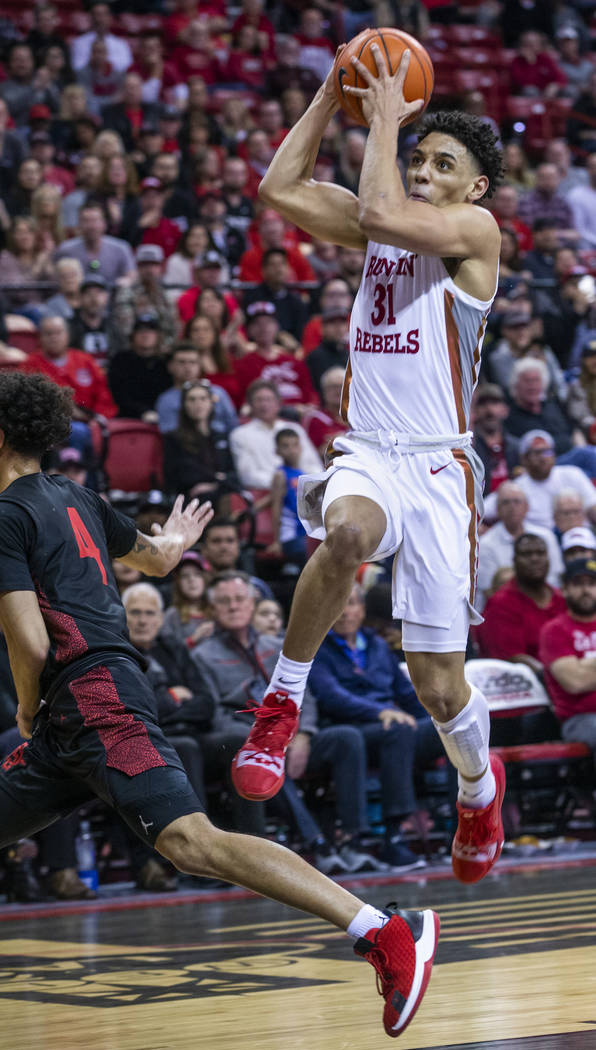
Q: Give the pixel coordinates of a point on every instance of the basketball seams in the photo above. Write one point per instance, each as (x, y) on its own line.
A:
(386, 38)
(358, 101)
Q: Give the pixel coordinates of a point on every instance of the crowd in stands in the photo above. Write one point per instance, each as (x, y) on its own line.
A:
(139, 267)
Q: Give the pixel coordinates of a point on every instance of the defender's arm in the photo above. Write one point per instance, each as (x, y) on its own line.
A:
(158, 554)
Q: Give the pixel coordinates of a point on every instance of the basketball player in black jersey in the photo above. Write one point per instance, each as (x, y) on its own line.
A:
(88, 714)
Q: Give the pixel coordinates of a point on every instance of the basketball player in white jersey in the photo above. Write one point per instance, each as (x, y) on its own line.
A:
(404, 479)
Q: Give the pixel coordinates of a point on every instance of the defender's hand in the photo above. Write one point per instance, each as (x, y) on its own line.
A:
(188, 523)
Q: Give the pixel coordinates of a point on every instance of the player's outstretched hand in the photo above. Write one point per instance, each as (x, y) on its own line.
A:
(384, 94)
(187, 522)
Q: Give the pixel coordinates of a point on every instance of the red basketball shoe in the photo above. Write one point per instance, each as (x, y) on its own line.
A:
(479, 837)
(402, 953)
(258, 767)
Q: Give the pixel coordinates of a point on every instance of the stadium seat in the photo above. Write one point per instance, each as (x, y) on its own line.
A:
(129, 453)
(27, 341)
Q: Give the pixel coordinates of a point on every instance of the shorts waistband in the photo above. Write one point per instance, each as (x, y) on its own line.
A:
(391, 439)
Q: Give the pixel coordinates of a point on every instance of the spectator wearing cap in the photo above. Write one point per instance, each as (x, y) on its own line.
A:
(324, 423)
(12, 151)
(290, 309)
(138, 375)
(146, 295)
(179, 205)
(579, 542)
(576, 67)
(545, 202)
(20, 90)
(196, 456)
(239, 207)
(498, 450)
(533, 409)
(226, 238)
(581, 397)
(333, 350)
(495, 549)
(69, 275)
(208, 273)
(125, 117)
(543, 479)
(272, 234)
(185, 366)
(187, 617)
(90, 328)
(518, 341)
(253, 443)
(533, 70)
(72, 464)
(71, 367)
(568, 653)
(334, 292)
(540, 261)
(88, 177)
(516, 613)
(269, 360)
(119, 53)
(151, 225)
(98, 253)
(582, 200)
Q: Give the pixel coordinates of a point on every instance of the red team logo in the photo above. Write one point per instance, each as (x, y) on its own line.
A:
(16, 758)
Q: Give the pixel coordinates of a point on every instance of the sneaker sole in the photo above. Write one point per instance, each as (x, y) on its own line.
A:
(426, 947)
(253, 796)
(501, 785)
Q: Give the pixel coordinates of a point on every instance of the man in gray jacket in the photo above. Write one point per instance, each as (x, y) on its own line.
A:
(237, 662)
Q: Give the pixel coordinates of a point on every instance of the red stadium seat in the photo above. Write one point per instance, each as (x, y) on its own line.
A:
(130, 454)
(471, 36)
(533, 114)
(27, 341)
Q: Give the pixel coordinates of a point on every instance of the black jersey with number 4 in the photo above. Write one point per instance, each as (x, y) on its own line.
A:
(58, 539)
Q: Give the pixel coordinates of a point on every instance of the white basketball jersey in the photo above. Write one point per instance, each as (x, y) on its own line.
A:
(415, 342)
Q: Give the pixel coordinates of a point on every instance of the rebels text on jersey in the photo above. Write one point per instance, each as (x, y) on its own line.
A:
(58, 539)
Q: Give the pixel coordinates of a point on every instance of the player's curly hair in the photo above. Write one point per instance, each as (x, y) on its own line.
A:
(35, 414)
(475, 134)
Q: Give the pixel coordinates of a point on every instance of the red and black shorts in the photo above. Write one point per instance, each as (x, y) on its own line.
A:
(99, 737)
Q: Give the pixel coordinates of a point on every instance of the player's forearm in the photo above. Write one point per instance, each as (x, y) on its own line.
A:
(381, 192)
(295, 158)
(157, 555)
(27, 665)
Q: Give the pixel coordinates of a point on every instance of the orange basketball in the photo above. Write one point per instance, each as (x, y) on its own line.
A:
(420, 78)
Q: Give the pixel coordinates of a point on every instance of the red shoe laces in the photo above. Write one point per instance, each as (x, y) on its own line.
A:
(273, 726)
(378, 958)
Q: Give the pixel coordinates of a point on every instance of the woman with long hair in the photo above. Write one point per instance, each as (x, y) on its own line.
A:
(211, 303)
(216, 365)
(518, 171)
(188, 615)
(118, 192)
(29, 177)
(179, 270)
(196, 458)
(24, 262)
(46, 212)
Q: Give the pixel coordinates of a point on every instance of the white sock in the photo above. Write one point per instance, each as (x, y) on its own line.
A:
(290, 676)
(465, 739)
(368, 918)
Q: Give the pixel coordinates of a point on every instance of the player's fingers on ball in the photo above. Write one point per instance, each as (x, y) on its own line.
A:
(380, 62)
(156, 529)
(404, 65)
(362, 70)
(355, 91)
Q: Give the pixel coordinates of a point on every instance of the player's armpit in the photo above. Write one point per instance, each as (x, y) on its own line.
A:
(457, 231)
(326, 211)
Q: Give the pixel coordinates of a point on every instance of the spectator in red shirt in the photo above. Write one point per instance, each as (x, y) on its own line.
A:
(196, 56)
(516, 613)
(322, 424)
(152, 227)
(504, 206)
(73, 368)
(176, 25)
(270, 362)
(272, 234)
(533, 71)
(42, 149)
(335, 294)
(207, 274)
(252, 14)
(568, 652)
(247, 64)
(270, 119)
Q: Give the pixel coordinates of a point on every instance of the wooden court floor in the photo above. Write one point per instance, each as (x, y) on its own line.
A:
(515, 970)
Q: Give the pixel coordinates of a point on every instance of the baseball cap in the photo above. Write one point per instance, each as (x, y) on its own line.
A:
(581, 536)
(210, 258)
(146, 321)
(535, 439)
(489, 392)
(567, 33)
(150, 183)
(149, 127)
(575, 271)
(515, 319)
(260, 309)
(149, 253)
(589, 347)
(192, 557)
(72, 457)
(40, 112)
(40, 138)
(580, 567)
(335, 313)
(93, 280)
